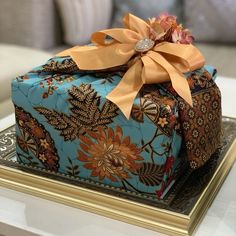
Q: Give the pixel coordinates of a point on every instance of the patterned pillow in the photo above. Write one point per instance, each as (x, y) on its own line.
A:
(145, 9)
(81, 18)
(211, 20)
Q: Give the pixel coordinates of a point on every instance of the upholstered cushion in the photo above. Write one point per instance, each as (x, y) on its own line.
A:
(145, 9)
(14, 61)
(211, 20)
(31, 23)
(81, 18)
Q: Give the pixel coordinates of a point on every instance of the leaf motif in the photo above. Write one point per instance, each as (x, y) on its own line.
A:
(86, 113)
(72, 170)
(108, 112)
(151, 174)
(66, 66)
(76, 167)
(67, 126)
(70, 161)
(85, 104)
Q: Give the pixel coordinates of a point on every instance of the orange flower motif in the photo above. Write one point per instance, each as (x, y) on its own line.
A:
(42, 157)
(108, 154)
(44, 143)
(149, 61)
(162, 122)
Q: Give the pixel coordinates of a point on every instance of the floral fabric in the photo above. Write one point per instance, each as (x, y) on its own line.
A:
(65, 124)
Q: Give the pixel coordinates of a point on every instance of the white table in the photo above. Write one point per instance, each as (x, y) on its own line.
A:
(22, 214)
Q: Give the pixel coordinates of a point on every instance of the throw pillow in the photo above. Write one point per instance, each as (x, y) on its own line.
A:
(145, 9)
(211, 20)
(80, 18)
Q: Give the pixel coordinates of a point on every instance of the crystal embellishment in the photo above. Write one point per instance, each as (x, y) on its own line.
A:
(144, 45)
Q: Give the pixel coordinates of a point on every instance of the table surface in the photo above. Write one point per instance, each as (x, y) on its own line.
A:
(23, 214)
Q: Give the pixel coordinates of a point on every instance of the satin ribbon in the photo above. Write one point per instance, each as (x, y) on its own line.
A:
(164, 62)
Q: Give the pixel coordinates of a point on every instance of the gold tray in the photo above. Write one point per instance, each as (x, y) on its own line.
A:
(178, 213)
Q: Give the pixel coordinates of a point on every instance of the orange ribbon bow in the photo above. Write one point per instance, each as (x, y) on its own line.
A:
(149, 63)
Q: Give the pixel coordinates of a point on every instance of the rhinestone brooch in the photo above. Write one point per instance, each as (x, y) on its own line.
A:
(144, 45)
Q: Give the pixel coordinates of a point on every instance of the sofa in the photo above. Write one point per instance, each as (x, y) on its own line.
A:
(54, 25)
(15, 60)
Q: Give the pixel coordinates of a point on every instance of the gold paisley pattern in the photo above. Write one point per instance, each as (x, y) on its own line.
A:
(33, 139)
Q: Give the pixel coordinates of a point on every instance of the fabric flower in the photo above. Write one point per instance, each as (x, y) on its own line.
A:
(108, 155)
(167, 21)
(157, 32)
(182, 36)
(173, 32)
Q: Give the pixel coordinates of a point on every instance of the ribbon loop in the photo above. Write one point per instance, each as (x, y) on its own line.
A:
(100, 57)
(185, 57)
(119, 35)
(137, 25)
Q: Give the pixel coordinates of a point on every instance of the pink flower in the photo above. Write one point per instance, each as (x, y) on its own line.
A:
(167, 21)
(156, 31)
(182, 36)
(162, 27)
(166, 28)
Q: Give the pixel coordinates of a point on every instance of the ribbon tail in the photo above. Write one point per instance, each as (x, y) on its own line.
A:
(125, 92)
(178, 80)
(181, 86)
(185, 57)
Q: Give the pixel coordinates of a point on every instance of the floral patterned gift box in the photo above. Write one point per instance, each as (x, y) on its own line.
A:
(67, 123)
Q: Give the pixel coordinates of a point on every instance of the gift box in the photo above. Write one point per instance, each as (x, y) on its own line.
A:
(70, 120)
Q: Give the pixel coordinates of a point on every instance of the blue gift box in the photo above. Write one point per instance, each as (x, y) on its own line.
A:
(66, 125)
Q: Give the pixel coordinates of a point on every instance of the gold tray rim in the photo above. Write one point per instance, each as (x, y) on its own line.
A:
(161, 220)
